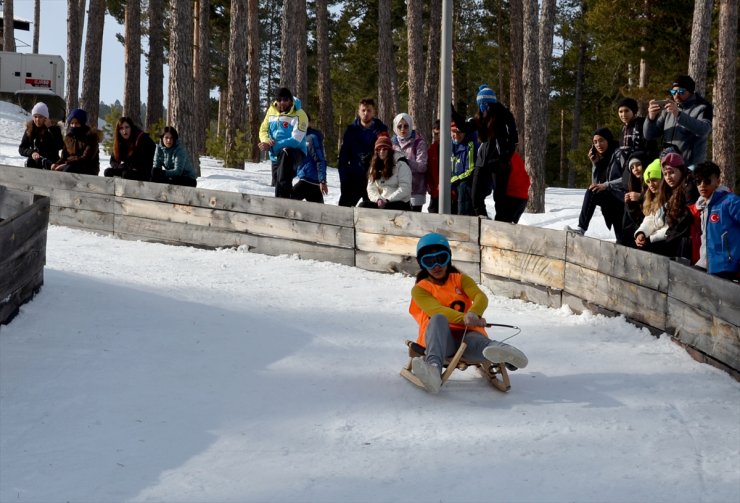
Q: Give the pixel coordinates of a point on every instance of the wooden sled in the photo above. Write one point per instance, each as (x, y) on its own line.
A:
(494, 373)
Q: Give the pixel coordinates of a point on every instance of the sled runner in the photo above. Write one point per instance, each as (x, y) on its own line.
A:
(494, 373)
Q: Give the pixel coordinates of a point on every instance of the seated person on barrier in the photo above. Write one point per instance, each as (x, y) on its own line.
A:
(80, 153)
(718, 211)
(133, 152)
(448, 306)
(42, 140)
(389, 178)
(171, 161)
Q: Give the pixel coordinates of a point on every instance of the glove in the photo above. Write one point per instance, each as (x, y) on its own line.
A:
(381, 203)
(473, 320)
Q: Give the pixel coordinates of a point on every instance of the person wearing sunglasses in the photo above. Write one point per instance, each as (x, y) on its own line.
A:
(448, 306)
(412, 145)
(283, 135)
(684, 122)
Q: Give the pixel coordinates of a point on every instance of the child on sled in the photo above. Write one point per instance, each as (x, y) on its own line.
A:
(448, 306)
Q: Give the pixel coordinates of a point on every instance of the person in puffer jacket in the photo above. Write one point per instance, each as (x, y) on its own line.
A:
(389, 178)
(411, 144)
(171, 162)
(311, 184)
(718, 211)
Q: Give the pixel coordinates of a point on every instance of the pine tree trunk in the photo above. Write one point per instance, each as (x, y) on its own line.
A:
(431, 79)
(725, 104)
(90, 99)
(516, 84)
(288, 47)
(75, 19)
(415, 44)
(202, 74)
(577, 107)
(301, 47)
(253, 68)
(182, 115)
(699, 50)
(385, 62)
(132, 61)
(8, 28)
(326, 109)
(36, 25)
(155, 83)
(235, 101)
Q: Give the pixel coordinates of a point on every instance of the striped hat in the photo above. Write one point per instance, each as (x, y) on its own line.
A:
(485, 97)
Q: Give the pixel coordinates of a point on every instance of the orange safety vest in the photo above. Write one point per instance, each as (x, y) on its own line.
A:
(450, 295)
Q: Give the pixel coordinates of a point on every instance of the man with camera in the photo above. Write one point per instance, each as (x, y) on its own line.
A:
(684, 122)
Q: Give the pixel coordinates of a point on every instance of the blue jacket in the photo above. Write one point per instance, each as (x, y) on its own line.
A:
(721, 227)
(358, 146)
(313, 169)
(174, 160)
(288, 129)
(463, 160)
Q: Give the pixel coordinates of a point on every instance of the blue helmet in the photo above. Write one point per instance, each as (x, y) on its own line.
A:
(433, 239)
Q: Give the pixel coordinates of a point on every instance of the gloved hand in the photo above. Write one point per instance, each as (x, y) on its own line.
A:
(381, 203)
(473, 320)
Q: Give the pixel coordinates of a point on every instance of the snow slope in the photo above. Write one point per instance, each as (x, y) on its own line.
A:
(145, 372)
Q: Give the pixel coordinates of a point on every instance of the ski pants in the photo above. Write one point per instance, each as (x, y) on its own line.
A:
(443, 343)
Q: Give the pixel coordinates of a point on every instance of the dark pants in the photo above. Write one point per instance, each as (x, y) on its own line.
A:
(353, 188)
(433, 205)
(308, 191)
(463, 203)
(390, 205)
(128, 174)
(42, 163)
(482, 181)
(510, 209)
(159, 176)
(611, 208)
(83, 168)
(285, 166)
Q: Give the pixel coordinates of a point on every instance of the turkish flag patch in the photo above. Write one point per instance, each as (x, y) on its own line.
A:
(285, 125)
(714, 218)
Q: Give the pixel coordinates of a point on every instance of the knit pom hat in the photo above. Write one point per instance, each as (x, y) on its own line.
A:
(485, 97)
(41, 109)
(383, 141)
(630, 103)
(78, 114)
(653, 171)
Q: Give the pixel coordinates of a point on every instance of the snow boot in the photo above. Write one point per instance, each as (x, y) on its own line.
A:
(428, 373)
(498, 352)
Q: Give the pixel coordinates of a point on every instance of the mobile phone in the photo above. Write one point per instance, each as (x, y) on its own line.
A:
(662, 103)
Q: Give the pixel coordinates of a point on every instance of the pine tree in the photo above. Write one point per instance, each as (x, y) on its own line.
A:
(132, 62)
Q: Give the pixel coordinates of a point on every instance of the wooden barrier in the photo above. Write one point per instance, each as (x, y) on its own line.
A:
(24, 218)
(545, 266)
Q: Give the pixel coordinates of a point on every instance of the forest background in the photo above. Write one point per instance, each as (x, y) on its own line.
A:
(560, 66)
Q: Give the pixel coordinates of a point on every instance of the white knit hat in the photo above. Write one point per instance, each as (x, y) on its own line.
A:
(40, 108)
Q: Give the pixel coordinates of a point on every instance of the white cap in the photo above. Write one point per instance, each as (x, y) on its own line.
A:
(40, 109)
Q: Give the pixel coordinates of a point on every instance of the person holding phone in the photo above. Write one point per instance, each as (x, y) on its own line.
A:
(684, 122)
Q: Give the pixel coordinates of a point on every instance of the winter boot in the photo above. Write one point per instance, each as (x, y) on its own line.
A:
(498, 352)
(428, 373)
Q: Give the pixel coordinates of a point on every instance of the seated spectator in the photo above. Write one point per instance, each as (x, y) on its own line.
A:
(633, 196)
(80, 153)
(311, 184)
(389, 178)
(464, 150)
(718, 212)
(606, 190)
(133, 152)
(42, 140)
(667, 226)
(171, 162)
(411, 144)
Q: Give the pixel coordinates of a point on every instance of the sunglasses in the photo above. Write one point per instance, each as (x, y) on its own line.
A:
(674, 92)
(432, 260)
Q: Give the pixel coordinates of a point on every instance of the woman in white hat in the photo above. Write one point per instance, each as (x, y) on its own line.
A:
(42, 140)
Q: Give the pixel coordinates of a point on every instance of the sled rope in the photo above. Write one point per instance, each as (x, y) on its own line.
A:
(518, 330)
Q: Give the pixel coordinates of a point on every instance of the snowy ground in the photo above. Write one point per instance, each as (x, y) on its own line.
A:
(145, 372)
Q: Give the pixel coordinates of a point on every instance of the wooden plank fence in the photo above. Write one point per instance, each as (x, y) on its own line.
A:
(24, 219)
(545, 266)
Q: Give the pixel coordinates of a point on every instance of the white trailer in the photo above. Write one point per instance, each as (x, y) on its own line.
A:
(28, 78)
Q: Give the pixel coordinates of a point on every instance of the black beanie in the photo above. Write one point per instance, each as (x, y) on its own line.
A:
(684, 81)
(604, 133)
(630, 103)
(284, 92)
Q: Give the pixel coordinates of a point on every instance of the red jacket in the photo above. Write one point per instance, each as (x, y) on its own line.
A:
(518, 178)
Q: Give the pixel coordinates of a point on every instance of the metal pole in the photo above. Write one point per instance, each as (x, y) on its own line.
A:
(445, 114)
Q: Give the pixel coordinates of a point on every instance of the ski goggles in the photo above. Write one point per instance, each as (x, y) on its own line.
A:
(432, 260)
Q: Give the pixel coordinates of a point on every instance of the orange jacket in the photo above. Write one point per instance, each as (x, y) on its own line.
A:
(458, 295)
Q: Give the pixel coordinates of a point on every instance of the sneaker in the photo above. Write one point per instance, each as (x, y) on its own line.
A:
(428, 373)
(575, 228)
(497, 352)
